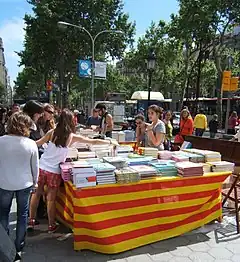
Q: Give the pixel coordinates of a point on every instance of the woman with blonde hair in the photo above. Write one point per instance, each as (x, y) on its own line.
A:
(186, 126)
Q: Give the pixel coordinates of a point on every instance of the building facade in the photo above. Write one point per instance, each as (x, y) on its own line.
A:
(3, 73)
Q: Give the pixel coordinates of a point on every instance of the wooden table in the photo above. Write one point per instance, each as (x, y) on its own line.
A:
(115, 218)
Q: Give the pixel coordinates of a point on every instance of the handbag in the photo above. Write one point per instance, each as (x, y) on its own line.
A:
(178, 139)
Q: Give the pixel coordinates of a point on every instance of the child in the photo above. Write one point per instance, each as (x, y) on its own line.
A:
(59, 140)
(213, 126)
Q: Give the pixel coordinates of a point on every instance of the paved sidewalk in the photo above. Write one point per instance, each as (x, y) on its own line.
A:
(211, 243)
(221, 244)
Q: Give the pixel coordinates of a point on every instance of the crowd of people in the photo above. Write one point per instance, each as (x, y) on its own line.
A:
(188, 126)
(32, 146)
(35, 139)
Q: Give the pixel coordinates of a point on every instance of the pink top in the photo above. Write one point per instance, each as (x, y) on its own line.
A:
(232, 122)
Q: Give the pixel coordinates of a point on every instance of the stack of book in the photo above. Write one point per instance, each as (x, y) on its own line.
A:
(83, 174)
(166, 168)
(101, 150)
(195, 158)
(72, 153)
(151, 151)
(189, 169)
(126, 175)
(222, 166)
(209, 156)
(179, 156)
(105, 173)
(165, 155)
(124, 150)
(118, 162)
(206, 168)
(93, 161)
(86, 154)
(145, 172)
(66, 171)
(140, 161)
(148, 151)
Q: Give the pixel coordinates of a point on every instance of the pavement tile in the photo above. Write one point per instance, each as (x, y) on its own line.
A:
(180, 259)
(235, 258)
(223, 260)
(234, 248)
(66, 259)
(201, 246)
(201, 257)
(181, 252)
(214, 243)
(164, 257)
(123, 255)
(30, 257)
(220, 253)
(196, 238)
(143, 250)
(172, 243)
(140, 258)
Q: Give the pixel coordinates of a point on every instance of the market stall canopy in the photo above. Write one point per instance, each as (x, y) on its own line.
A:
(143, 95)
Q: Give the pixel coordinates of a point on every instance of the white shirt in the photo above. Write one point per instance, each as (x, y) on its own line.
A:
(52, 157)
(19, 164)
(237, 136)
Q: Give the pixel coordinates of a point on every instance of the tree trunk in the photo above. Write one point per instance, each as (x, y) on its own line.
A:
(219, 88)
(219, 99)
(200, 57)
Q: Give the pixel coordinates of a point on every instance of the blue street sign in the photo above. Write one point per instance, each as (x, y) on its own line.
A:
(84, 68)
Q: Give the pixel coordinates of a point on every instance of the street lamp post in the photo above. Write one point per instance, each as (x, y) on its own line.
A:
(93, 40)
(151, 63)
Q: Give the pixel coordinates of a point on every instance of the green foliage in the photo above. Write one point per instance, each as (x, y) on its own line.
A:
(191, 49)
(53, 52)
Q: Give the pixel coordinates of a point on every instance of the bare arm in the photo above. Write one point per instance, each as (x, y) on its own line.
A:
(156, 140)
(109, 123)
(85, 140)
(35, 164)
(45, 138)
(138, 132)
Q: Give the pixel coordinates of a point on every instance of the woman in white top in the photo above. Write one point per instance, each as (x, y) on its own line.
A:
(19, 167)
(59, 140)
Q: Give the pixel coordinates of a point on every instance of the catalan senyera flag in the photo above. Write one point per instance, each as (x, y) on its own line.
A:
(115, 218)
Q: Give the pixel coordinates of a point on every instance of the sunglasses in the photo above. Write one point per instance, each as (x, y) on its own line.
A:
(138, 123)
(50, 112)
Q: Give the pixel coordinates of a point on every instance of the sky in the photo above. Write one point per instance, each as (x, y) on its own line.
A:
(143, 12)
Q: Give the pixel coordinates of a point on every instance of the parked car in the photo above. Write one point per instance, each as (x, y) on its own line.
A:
(176, 122)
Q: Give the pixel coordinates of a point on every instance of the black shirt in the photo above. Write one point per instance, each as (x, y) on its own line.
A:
(213, 126)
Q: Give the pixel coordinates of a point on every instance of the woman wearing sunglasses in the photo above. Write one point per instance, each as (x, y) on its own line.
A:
(46, 122)
(156, 130)
(140, 130)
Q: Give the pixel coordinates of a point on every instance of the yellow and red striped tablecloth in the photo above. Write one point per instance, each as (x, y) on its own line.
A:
(115, 218)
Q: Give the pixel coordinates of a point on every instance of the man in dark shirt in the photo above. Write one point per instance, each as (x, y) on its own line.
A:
(93, 120)
(213, 126)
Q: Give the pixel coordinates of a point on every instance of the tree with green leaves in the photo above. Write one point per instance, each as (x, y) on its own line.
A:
(54, 53)
(207, 24)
